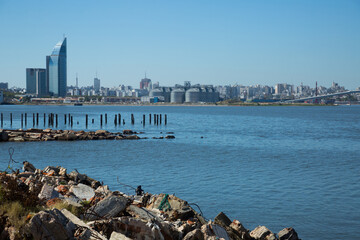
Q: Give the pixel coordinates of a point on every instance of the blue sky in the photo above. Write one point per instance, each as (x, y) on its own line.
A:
(206, 42)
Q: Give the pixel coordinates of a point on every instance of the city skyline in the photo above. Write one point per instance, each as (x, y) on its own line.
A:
(229, 43)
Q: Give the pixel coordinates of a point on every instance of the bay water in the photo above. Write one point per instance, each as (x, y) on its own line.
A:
(274, 166)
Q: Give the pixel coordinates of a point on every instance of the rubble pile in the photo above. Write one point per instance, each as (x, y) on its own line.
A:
(33, 135)
(75, 206)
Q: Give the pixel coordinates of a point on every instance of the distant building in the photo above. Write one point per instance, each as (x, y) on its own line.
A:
(36, 81)
(1, 97)
(145, 83)
(4, 85)
(56, 70)
(97, 84)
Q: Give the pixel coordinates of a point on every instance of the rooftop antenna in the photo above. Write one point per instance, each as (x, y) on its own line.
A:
(64, 35)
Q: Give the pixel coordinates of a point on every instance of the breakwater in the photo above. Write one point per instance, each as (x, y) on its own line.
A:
(54, 204)
(34, 135)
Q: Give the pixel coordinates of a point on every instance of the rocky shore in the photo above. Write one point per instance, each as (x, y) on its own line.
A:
(34, 134)
(54, 204)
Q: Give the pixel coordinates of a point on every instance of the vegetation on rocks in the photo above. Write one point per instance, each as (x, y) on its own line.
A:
(54, 204)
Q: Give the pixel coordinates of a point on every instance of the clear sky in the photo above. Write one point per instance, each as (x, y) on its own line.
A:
(207, 42)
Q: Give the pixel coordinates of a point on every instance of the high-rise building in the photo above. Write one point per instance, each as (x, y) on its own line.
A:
(97, 85)
(56, 70)
(145, 83)
(4, 85)
(36, 81)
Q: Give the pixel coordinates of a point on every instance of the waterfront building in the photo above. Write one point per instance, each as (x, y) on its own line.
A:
(56, 70)
(36, 81)
(97, 85)
(1, 96)
(4, 85)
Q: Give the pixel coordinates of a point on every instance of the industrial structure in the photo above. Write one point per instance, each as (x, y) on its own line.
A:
(187, 94)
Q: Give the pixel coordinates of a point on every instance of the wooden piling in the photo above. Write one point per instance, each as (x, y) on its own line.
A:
(154, 119)
(2, 119)
(157, 119)
(160, 118)
(33, 119)
(105, 118)
(132, 119)
(143, 119)
(44, 119)
(86, 120)
(71, 121)
(69, 118)
(119, 119)
(92, 121)
(65, 119)
(150, 118)
(25, 119)
(10, 119)
(101, 120)
(165, 119)
(37, 119)
(56, 117)
(115, 120)
(22, 119)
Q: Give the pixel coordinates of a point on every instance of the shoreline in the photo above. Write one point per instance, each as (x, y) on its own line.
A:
(183, 105)
(61, 205)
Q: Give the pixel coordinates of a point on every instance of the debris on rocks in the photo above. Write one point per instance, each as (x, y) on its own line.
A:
(54, 204)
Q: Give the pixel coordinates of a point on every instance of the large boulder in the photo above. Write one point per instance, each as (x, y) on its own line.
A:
(262, 233)
(175, 207)
(50, 225)
(82, 191)
(288, 234)
(109, 207)
(3, 135)
(234, 229)
(213, 231)
(241, 230)
(131, 227)
(48, 192)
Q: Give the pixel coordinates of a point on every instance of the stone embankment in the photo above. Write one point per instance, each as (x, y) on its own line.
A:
(33, 135)
(61, 205)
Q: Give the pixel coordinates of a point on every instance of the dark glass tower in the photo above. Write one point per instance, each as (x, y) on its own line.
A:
(56, 70)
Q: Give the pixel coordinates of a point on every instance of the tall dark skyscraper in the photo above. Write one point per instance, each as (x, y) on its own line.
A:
(56, 70)
(145, 83)
(36, 81)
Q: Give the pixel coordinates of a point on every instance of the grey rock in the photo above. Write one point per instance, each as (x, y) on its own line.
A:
(261, 232)
(240, 230)
(48, 192)
(212, 230)
(3, 136)
(222, 220)
(288, 234)
(196, 234)
(50, 224)
(109, 207)
(118, 236)
(82, 191)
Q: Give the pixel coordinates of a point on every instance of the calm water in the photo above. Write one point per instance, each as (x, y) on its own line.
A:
(272, 166)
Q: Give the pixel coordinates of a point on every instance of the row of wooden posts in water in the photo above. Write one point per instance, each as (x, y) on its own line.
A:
(53, 119)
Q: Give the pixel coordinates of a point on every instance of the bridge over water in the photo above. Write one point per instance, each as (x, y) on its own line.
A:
(323, 96)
